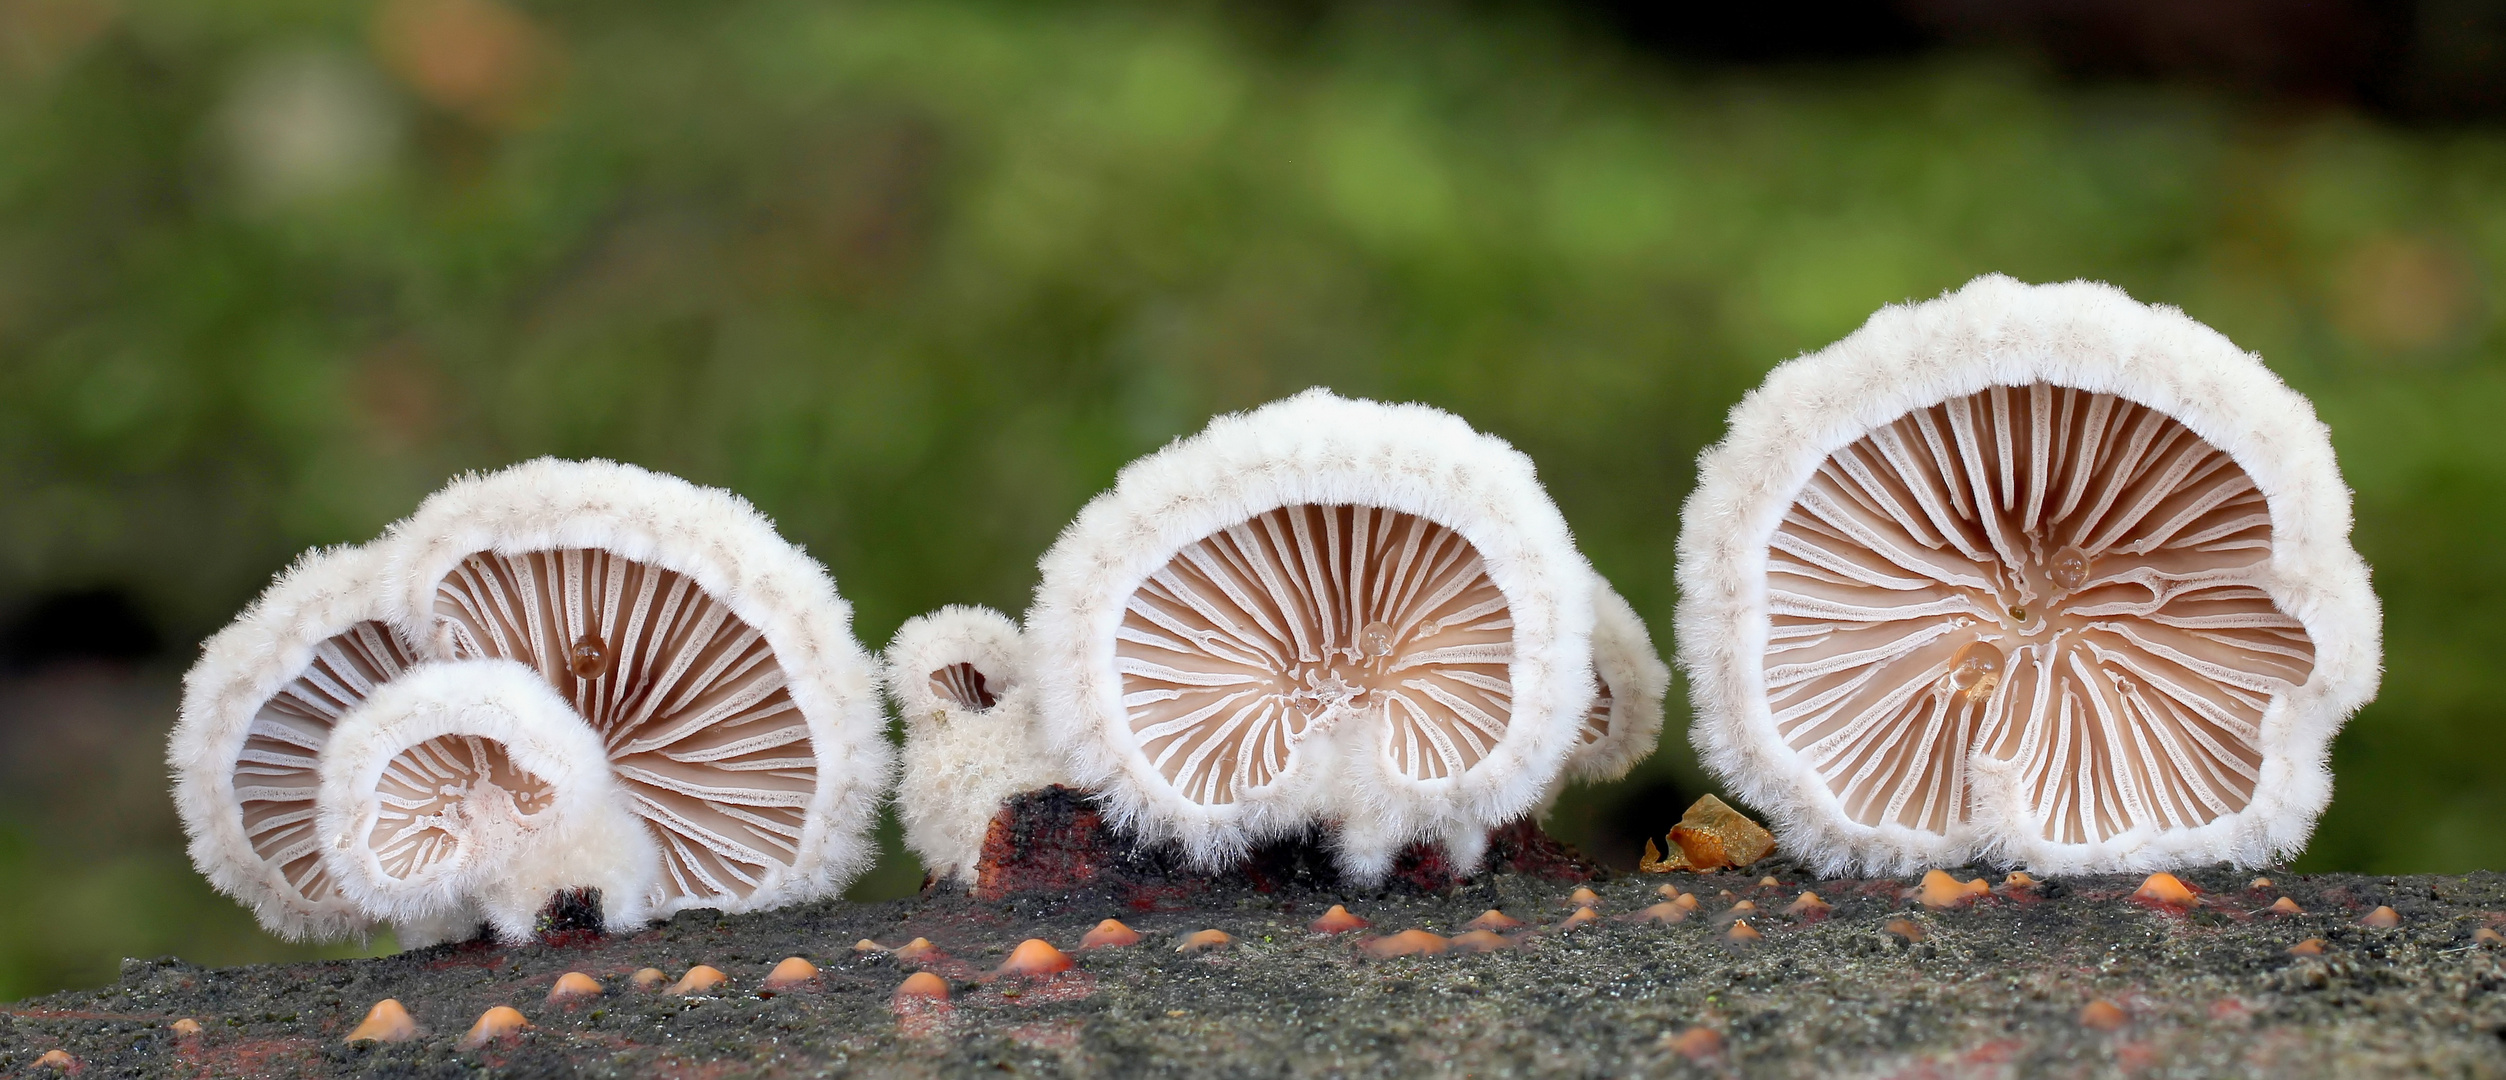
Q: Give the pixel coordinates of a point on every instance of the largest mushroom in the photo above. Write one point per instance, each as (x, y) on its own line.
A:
(713, 661)
(2028, 572)
(1322, 609)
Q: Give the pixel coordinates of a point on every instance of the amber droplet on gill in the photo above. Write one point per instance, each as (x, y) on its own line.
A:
(1975, 670)
(1375, 638)
(589, 659)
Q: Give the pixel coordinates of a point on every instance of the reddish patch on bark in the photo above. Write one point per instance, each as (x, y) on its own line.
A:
(1056, 840)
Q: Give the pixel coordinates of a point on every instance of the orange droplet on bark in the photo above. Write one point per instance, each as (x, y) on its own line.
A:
(1201, 940)
(1337, 921)
(792, 972)
(1493, 919)
(2382, 918)
(492, 1025)
(1406, 943)
(922, 986)
(2165, 888)
(1110, 934)
(2103, 1015)
(388, 1021)
(698, 980)
(1035, 958)
(1480, 941)
(571, 987)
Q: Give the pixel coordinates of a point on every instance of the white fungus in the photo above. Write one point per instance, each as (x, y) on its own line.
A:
(257, 710)
(2036, 573)
(1322, 609)
(959, 676)
(1624, 724)
(713, 659)
(468, 790)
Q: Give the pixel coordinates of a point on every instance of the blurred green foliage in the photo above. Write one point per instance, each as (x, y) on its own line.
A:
(917, 278)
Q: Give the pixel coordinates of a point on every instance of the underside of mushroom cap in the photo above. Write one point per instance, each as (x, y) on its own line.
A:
(470, 786)
(959, 660)
(1624, 724)
(961, 682)
(257, 710)
(1322, 608)
(714, 659)
(2028, 572)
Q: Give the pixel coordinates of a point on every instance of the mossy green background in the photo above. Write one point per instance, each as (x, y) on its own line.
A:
(917, 278)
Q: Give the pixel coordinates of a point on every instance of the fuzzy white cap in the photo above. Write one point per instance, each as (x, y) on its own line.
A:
(326, 593)
(2000, 332)
(1319, 449)
(1626, 662)
(504, 863)
(730, 551)
(962, 761)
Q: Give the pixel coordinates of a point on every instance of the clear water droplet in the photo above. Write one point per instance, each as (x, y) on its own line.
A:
(2068, 568)
(1975, 670)
(589, 658)
(1375, 638)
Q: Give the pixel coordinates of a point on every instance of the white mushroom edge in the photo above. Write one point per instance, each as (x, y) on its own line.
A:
(1996, 331)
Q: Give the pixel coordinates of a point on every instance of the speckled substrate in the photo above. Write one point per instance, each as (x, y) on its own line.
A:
(1996, 988)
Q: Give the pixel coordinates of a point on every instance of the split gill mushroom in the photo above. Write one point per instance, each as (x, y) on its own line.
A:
(959, 677)
(258, 709)
(2027, 572)
(1319, 610)
(712, 661)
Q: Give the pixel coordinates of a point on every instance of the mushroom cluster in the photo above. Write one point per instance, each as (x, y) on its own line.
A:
(562, 676)
(1321, 611)
(2032, 573)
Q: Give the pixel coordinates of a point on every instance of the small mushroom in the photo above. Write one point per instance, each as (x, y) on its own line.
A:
(2285, 906)
(2167, 889)
(2382, 918)
(258, 709)
(922, 986)
(1941, 890)
(1378, 577)
(1743, 933)
(712, 660)
(649, 979)
(1493, 919)
(959, 677)
(1624, 724)
(1808, 906)
(1405, 943)
(1204, 940)
(2034, 571)
(470, 783)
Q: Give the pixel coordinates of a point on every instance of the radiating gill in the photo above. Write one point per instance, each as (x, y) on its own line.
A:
(2056, 578)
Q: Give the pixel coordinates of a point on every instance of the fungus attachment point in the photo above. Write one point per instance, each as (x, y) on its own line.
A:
(2382, 918)
(699, 979)
(1493, 919)
(648, 979)
(1036, 958)
(1110, 934)
(793, 971)
(494, 1024)
(2166, 889)
(588, 659)
(2285, 906)
(1337, 921)
(2103, 1015)
(922, 986)
(1204, 940)
(573, 986)
(388, 1021)
(1405, 943)
(2020, 571)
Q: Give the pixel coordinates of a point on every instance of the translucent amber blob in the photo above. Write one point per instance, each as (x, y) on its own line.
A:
(1975, 670)
(2068, 568)
(589, 659)
(1376, 638)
